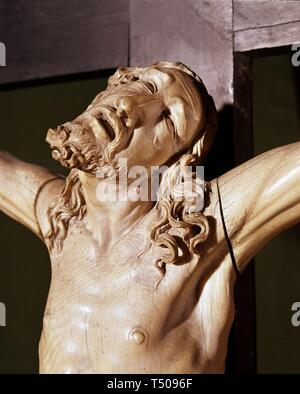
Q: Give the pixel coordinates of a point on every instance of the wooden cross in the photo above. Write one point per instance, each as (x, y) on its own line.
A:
(216, 38)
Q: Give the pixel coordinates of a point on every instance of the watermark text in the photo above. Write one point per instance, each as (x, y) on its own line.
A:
(139, 183)
(296, 315)
(2, 55)
(296, 56)
(2, 315)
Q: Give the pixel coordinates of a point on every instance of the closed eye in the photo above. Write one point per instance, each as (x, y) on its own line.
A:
(150, 86)
(167, 114)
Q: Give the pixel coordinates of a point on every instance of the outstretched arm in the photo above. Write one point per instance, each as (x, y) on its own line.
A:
(23, 187)
(260, 199)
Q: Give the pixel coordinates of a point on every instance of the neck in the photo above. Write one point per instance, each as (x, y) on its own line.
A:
(110, 214)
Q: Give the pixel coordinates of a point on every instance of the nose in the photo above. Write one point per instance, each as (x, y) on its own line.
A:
(124, 104)
(124, 107)
(135, 109)
(51, 133)
(52, 137)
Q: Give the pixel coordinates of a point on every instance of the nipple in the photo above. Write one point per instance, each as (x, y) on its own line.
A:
(137, 336)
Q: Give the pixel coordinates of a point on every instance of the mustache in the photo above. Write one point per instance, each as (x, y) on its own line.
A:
(87, 154)
(116, 125)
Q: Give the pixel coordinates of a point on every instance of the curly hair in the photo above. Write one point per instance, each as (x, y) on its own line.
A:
(70, 205)
(175, 214)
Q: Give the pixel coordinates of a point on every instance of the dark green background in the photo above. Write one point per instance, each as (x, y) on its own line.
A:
(276, 115)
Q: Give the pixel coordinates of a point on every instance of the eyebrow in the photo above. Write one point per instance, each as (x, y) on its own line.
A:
(187, 87)
(157, 81)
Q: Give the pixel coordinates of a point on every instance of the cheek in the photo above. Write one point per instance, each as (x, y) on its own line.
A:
(163, 140)
(188, 134)
(142, 142)
(149, 146)
(160, 141)
(139, 146)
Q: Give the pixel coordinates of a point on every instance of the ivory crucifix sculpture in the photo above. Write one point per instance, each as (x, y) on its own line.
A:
(138, 285)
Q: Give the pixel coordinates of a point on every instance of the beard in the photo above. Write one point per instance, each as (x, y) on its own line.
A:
(75, 146)
(72, 156)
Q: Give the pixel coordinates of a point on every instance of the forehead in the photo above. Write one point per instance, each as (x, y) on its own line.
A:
(166, 80)
(158, 75)
(174, 82)
(162, 76)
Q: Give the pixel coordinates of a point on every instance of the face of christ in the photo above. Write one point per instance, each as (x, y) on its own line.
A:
(147, 117)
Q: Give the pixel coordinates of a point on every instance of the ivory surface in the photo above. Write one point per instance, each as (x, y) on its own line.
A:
(144, 286)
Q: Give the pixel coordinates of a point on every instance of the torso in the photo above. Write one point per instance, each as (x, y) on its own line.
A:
(104, 314)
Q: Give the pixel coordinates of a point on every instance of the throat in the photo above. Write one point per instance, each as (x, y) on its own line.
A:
(110, 219)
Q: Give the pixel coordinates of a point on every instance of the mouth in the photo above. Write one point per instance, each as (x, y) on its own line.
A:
(108, 137)
(113, 124)
(107, 127)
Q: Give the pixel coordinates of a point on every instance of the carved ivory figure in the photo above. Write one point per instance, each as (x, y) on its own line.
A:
(143, 286)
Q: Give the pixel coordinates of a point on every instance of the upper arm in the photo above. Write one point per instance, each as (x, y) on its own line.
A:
(260, 199)
(23, 188)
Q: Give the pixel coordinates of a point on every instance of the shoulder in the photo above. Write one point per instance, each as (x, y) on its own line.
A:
(216, 249)
(47, 196)
(255, 195)
(212, 211)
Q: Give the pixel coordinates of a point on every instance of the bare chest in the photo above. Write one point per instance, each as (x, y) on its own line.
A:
(108, 310)
(120, 289)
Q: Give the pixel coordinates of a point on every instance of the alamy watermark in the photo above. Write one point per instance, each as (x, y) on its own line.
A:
(2, 55)
(296, 315)
(2, 315)
(295, 59)
(139, 183)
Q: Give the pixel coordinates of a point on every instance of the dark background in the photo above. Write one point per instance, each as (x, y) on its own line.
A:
(276, 121)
